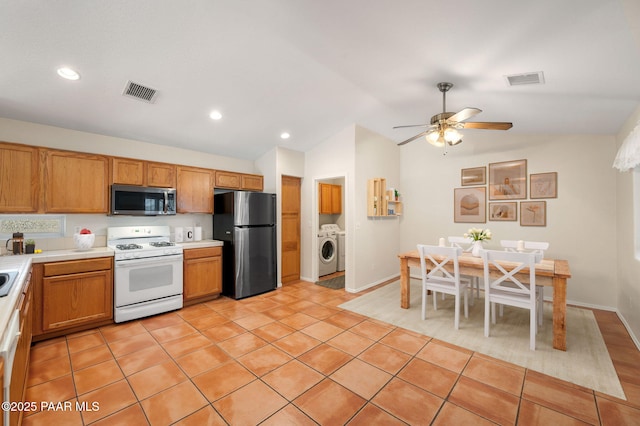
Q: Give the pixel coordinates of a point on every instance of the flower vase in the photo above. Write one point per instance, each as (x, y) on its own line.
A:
(476, 249)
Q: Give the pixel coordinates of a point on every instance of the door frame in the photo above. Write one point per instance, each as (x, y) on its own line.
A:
(315, 223)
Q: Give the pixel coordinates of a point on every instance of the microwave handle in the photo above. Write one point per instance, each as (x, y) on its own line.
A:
(166, 202)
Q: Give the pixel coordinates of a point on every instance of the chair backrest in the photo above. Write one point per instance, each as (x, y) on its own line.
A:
(433, 268)
(501, 269)
(509, 245)
(461, 242)
(536, 246)
(530, 246)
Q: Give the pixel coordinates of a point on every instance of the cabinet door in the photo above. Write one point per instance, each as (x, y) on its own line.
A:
(161, 175)
(195, 190)
(325, 198)
(126, 171)
(227, 180)
(75, 182)
(19, 179)
(252, 182)
(76, 299)
(202, 277)
(336, 199)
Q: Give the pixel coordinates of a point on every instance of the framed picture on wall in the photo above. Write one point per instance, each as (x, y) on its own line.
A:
(533, 213)
(543, 185)
(474, 176)
(470, 205)
(508, 180)
(503, 211)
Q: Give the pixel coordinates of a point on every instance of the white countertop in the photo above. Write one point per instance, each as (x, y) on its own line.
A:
(200, 244)
(8, 303)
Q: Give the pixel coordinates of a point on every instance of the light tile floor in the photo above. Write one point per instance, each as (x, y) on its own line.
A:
(291, 357)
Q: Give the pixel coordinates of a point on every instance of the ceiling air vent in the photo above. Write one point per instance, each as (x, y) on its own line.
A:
(140, 92)
(526, 78)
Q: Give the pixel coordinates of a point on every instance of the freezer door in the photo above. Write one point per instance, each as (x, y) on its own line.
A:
(254, 208)
(255, 260)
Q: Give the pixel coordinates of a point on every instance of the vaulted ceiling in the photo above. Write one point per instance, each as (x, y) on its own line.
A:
(310, 67)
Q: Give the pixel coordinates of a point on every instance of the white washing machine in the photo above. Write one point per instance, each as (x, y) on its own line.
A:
(327, 251)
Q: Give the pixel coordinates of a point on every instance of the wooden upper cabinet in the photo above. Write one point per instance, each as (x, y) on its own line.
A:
(252, 182)
(336, 199)
(329, 199)
(232, 180)
(75, 182)
(227, 180)
(19, 178)
(126, 171)
(161, 175)
(195, 190)
(129, 171)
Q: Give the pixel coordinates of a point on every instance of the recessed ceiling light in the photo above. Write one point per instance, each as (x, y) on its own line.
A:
(215, 115)
(285, 135)
(68, 73)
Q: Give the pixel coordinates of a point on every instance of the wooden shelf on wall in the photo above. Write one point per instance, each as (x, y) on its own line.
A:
(380, 201)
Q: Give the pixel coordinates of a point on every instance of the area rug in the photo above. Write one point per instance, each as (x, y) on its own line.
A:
(586, 361)
(335, 283)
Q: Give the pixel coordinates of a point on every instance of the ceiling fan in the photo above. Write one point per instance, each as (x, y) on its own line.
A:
(443, 129)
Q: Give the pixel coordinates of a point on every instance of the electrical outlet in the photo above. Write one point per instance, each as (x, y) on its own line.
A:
(76, 229)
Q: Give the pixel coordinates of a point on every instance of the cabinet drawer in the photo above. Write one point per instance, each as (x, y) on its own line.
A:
(77, 266)
(202, 252)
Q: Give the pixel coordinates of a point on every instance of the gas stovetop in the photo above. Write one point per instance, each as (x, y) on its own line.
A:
(136, 242)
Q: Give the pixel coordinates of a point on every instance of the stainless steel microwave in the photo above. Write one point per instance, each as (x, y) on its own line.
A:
(142, 200)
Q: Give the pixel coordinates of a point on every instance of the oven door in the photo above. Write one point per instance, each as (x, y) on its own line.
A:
(141, 280)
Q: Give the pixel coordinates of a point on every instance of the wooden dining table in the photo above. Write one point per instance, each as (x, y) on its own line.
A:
(549, 272)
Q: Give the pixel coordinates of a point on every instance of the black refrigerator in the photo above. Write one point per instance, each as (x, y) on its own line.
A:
(246, 222)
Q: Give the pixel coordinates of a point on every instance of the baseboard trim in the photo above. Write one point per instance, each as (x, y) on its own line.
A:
(628, 327)
(389, 279)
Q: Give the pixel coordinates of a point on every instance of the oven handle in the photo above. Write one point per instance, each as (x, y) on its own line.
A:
(148, 261)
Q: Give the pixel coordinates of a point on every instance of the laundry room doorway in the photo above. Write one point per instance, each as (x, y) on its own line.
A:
(331, 247)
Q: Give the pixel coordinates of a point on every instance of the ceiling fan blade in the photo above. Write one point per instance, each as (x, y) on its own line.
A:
(464, 114)
(413, 138)
(412, 125)
(496, 125)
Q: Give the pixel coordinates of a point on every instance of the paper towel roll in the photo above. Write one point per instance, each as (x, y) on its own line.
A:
(197, 233)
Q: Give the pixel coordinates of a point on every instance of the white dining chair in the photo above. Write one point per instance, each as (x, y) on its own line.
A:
(437, 278)
(501, 285)
(465, 244)
(530, 247)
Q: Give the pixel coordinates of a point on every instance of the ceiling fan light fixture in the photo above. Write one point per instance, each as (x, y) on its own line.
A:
(435, 138)
(452, 136)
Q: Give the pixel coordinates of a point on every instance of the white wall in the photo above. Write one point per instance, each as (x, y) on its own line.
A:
(628, 294)
(581, 223)
(333, 158)
(57, 137)
(273, 165)
(377, 240)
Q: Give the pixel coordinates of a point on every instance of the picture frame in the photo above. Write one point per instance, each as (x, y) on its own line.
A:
(543, 185)
(503, 211)
(508, 180)
(470, 205)
(473, 176)
(533, 213)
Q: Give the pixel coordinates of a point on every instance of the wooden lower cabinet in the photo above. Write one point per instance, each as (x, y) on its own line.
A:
(73, 295)
(21, 360)
(202, 274)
